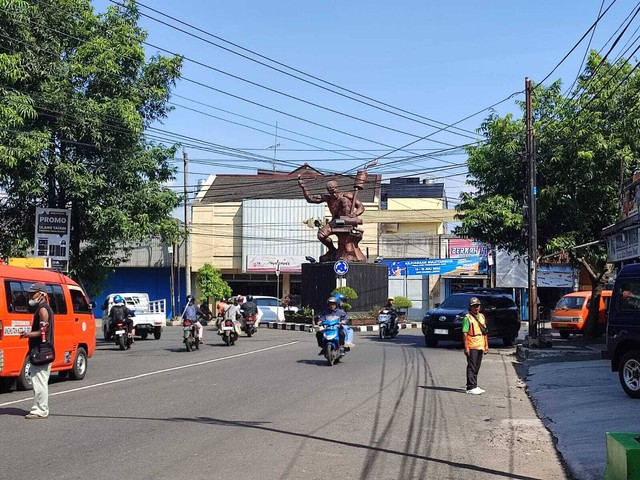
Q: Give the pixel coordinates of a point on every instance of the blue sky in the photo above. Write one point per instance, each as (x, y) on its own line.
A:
(440, 60)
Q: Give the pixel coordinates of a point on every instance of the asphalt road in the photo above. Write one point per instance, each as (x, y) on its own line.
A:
(271, 408)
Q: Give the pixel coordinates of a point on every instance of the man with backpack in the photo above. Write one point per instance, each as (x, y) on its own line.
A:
(121, 313)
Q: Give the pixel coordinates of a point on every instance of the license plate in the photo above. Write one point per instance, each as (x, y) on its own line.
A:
(564, 324)
(186, 328)
(441, 331)
(227, 328)
(120, 332)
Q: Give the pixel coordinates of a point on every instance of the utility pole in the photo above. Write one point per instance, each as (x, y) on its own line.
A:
(533, 224)
(187, 260)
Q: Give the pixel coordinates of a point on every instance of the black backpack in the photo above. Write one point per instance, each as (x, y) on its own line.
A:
(117, 313)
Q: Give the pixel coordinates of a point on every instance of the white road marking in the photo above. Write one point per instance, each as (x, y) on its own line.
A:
(157, 372)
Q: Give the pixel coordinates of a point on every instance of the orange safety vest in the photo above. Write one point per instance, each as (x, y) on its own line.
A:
(476, 340)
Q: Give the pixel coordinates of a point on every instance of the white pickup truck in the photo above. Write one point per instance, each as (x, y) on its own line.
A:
(150, 316)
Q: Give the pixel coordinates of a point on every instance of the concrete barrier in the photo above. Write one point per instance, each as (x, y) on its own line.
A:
(623, 456)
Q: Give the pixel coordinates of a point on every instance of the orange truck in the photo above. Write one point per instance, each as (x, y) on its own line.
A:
(571, 312)
(74, 328)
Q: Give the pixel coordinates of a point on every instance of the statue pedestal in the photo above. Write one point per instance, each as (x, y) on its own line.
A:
(369, 280)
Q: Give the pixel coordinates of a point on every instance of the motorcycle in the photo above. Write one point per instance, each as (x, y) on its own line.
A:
(228, 332)
(122, 336)
(250, 325)
(387, 325)
(334, 351)
(190, 335)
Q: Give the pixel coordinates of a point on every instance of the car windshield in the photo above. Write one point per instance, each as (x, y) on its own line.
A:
(266, 302)
(570, 303)
(456, 301)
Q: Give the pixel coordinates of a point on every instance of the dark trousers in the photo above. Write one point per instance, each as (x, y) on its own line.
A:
(474, 360)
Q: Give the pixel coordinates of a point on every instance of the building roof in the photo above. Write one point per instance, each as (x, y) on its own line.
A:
(277, 185)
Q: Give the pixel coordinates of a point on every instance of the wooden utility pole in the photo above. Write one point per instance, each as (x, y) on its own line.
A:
(533, 225)
(187, 259)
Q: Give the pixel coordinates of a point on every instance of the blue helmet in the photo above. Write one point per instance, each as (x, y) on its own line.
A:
(118, 300)
(340, 297)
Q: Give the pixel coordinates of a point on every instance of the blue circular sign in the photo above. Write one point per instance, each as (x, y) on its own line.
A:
(341, 267)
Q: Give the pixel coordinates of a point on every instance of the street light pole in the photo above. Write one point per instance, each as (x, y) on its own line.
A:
(278, 280)
(533, 225)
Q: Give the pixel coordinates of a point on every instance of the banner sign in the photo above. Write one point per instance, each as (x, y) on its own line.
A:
(53, 229)
(271, 263)
(432, 266)
(465, 248)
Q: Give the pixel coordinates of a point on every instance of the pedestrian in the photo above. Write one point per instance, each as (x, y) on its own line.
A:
(474, 333)
(41, 331)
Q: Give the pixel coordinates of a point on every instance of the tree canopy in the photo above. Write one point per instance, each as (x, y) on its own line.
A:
(76, 95)
(211, 284)
(585, 144)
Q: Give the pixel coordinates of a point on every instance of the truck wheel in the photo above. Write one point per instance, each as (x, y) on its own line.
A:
(564, 334)
(144, 335)
(157, 333)
(508, 341)
(430, 340)
(79, 369)
(106, 334)
(629, 373)
(24, 381)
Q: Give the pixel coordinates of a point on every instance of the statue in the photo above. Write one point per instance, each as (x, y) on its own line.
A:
(345, 209)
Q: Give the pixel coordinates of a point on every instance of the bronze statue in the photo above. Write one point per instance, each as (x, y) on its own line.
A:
(345, 209)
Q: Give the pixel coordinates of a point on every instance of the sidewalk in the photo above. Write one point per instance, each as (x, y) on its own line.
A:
(579, 399)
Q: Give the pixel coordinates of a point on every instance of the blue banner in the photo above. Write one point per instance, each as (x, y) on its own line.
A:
(435, 266)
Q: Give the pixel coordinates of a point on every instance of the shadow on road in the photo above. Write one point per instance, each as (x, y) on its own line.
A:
(443, 389)
(262, 426)
(18, 412)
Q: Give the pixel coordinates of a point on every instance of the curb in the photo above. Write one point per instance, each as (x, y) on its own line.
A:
(526, 353)
(305, 327)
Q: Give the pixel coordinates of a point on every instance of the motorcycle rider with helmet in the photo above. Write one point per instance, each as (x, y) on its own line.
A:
(248, 309)
(345, 333)
(120, 312)
(393, 310)
(191, 313)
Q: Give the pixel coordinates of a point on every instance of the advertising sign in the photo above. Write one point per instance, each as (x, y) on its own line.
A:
(432, 266)
(271, 263)
(53, 229)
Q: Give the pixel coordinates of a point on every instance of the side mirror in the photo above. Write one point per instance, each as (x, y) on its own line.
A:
(92, 305)
(437, 305)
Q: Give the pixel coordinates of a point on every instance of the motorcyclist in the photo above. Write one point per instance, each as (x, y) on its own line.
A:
(121, 313)
(191, 313)
(393, 310)
(231, 312)
(205, 311)
(345, 333)
(248, 309)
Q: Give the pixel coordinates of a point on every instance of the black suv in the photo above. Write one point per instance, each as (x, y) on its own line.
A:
(445, 321)
(623, 329)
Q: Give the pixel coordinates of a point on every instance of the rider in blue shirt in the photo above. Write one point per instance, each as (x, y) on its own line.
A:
(345, 333)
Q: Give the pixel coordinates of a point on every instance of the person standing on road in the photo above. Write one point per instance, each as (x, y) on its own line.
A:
(41, 331)
(474, 333)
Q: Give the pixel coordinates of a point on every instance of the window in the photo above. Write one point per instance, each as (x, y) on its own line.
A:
(266, 302)
(570, 303)
(628, 297)
(79, 301)
(17, 298)
(56, 299)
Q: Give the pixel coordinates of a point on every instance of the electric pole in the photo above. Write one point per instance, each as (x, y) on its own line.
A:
(533, 225)
(187, 262)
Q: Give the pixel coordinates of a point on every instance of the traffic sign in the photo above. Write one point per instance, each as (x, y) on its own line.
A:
(341, 267)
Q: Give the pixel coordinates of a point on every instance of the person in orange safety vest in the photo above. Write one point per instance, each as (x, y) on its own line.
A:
(474, 333)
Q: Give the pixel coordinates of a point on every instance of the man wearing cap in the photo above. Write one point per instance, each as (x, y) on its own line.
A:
(391, 306)
(474, 333)
(41, 330)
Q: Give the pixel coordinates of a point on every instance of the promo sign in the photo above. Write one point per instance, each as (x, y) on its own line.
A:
(53, 229)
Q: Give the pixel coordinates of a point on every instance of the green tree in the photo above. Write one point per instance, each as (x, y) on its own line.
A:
(211, 284)
(584, 144)
(76, 95)
(349, 293)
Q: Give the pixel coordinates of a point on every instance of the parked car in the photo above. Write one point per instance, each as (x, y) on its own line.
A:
(623, 329)
(571, 312)
(445, 321)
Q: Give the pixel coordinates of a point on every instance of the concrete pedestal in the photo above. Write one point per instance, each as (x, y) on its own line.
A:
(369, 280)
